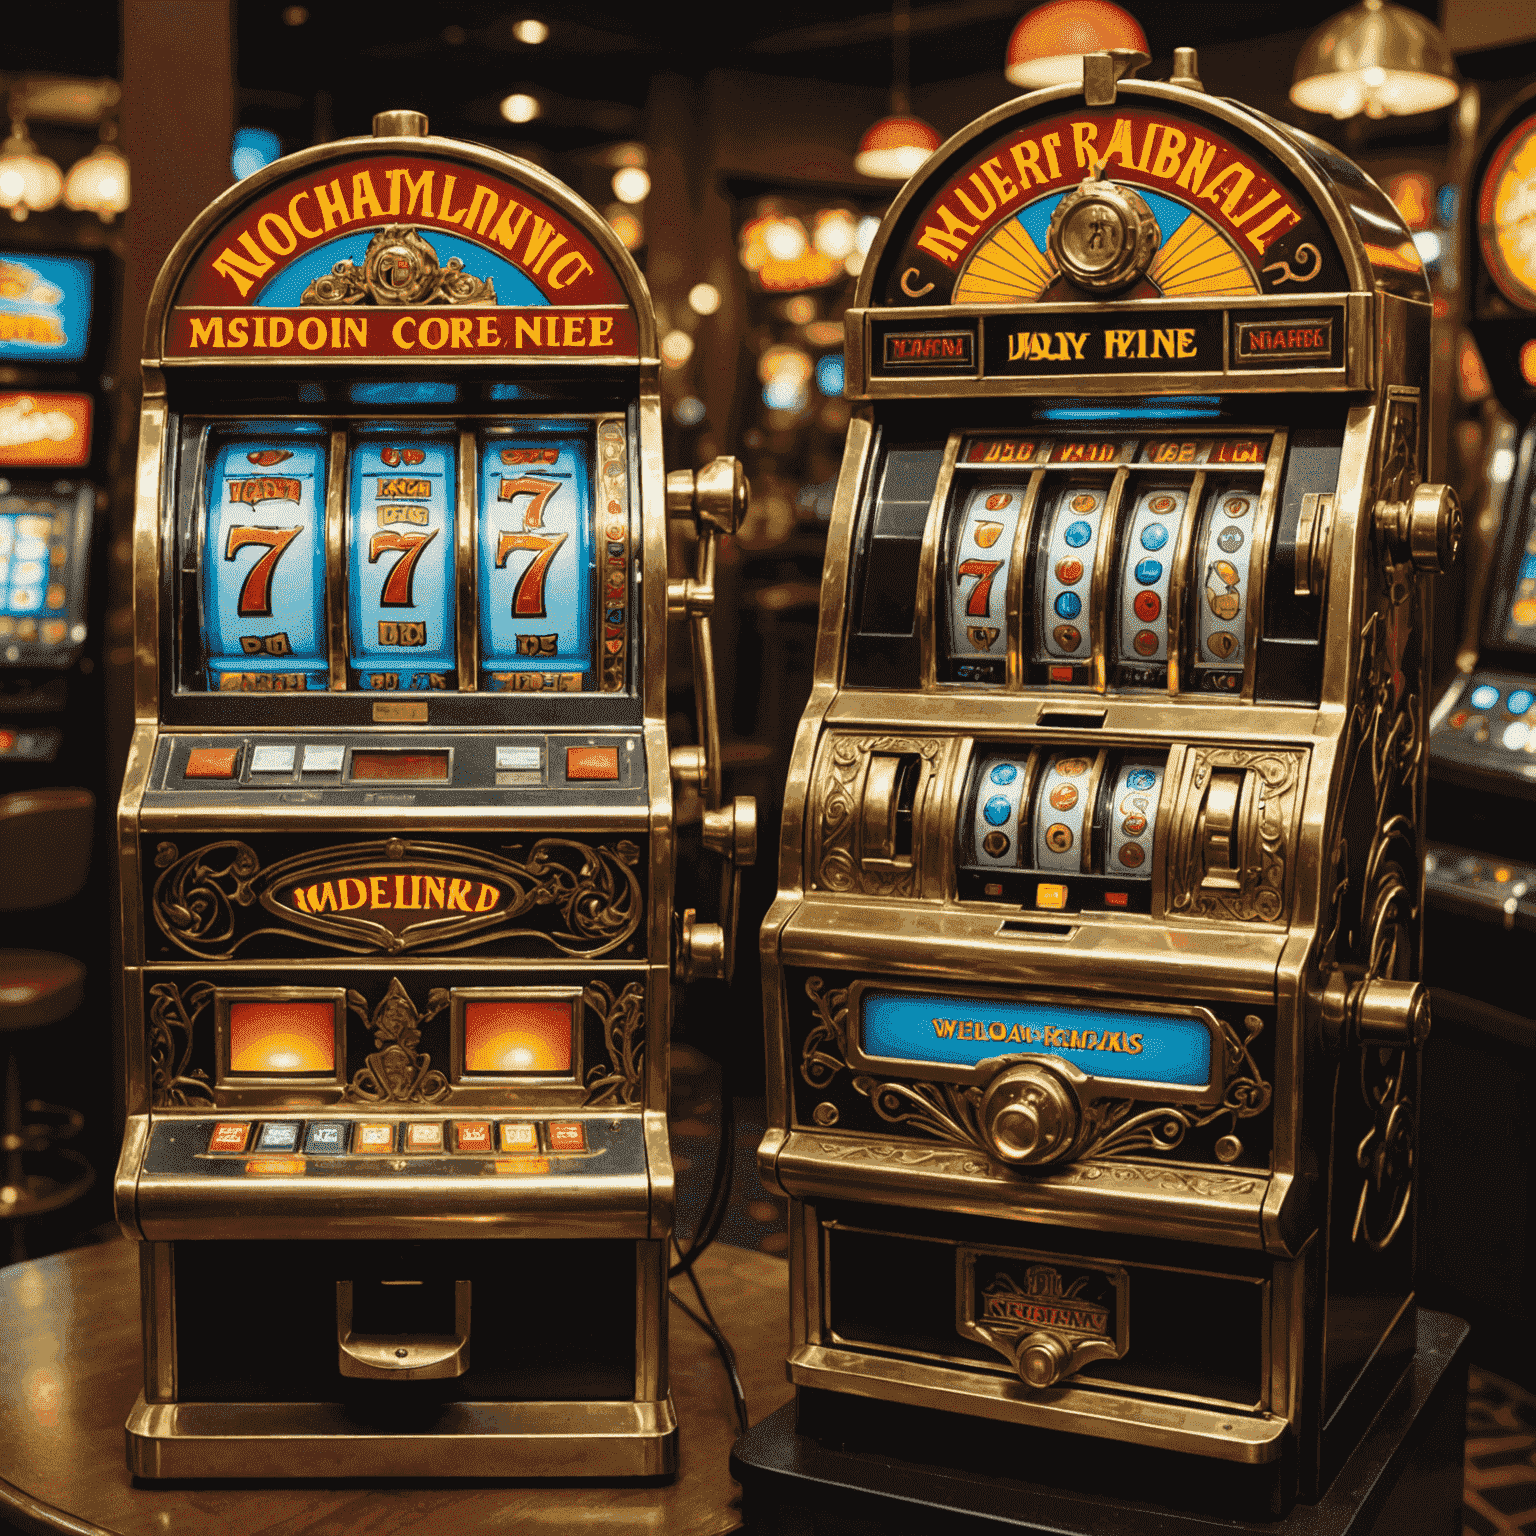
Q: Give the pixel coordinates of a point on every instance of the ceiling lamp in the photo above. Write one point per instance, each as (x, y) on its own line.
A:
(29, 182)
(1375, 58)
(1048, 45)
(894, 148)
(98, 184)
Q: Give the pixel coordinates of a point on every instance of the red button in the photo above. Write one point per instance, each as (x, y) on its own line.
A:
(229, 1136)
(212, 762)
(471, 1135)
(1147, 605)
(1460, 718)
(7, 741)
(567, 1136)
(591, 762)
(1061, 674)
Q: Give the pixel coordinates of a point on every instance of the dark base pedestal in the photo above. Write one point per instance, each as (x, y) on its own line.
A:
(1404, 1479)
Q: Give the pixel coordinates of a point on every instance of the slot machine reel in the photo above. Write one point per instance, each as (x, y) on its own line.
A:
(715, 498)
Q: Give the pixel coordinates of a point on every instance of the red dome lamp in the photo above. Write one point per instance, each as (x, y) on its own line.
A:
(1048, 45)
(894, 148)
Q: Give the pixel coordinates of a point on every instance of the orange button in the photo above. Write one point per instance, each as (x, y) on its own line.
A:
(1053, 896)
(374, 1136)
(522, 1165)
(567, 1136)
(471, 1136)
(275, 1165)
(591, 762)
(212, 762)
(7, 741)
(519, 1136)
(229, 1136)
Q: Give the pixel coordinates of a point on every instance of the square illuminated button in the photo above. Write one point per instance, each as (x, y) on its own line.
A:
(591, 762)
(424, 1136)
(272, 759)
(374, 1136)
(326, 1138)
(323, 759)
(525, 759)
(278, 1136)
(212, 762)
(229, 1136)
(519, 1136)
(471, 1135)
(567, 1136)
(1052, 897)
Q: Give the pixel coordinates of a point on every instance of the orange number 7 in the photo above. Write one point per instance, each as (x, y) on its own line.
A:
(981, 594)
(528, 595)
(256, 589)
(402, 574)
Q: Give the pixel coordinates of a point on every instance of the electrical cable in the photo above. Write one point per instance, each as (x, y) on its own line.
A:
(719, 1198)
(716, 1334)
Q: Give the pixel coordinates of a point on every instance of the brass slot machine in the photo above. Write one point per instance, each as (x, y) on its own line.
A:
(397, 832)
(1092, 980)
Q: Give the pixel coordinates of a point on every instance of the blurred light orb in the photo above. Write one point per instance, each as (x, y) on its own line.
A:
(800, 310)
(704, 298)
(676, 348)
(689, 411)
(785, 239)
(530, 31)
(253, 149)
(829, 373)
(835, 233)
(520, 107)
(99, 184)
(627, 227)
(631, 184)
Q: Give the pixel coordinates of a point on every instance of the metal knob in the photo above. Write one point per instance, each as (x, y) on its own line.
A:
(1426, 528)
(1102, 235)
(717, 494)
(1042, 1359)
(1390, 1013)
(1030, 1115)
(400, 124)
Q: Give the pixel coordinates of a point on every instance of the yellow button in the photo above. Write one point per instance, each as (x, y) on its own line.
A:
(519, 1136)
(1501, 874)
(1054, 896)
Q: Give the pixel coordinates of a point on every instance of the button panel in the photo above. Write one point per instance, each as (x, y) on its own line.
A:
(1489, 727)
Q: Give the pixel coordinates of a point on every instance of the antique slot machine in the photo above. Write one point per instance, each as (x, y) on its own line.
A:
(396, 834)
(1092, 981)
(1481, 864)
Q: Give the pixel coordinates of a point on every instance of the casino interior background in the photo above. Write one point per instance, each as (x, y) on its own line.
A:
(725, 150)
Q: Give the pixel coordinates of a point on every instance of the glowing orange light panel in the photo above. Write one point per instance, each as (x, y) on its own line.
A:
(509, 1035)
(277, 1039)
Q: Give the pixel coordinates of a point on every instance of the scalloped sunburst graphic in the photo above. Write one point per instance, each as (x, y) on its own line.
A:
(1194, 260)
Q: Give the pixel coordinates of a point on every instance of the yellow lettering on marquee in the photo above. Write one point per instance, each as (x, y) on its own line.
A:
(332, 203)
(207, 332)
(365, 201)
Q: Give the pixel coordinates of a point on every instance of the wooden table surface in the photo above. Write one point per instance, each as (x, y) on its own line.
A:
(69, 1373)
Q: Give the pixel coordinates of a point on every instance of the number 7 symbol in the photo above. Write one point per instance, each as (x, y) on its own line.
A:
(985, 571)
(528, 595)
(256, 589)
(399, 582)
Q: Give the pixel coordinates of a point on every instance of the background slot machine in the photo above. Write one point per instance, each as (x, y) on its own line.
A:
(1481, 867)
(397, 830)
(1092, 980)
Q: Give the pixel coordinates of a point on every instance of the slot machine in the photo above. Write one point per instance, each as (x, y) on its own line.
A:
(1481, 864)
(1092, 980)
(397, 835)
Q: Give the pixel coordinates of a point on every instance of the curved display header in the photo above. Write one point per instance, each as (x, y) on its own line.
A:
(1230, 221)
(399, 256)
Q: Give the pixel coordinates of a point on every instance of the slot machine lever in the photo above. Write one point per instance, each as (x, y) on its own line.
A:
(1426, 528)
(715, 498)
(1375, 1011)
(1218, 831)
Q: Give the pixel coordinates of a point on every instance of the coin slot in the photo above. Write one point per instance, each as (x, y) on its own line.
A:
(1023, 925)
(1071, 720)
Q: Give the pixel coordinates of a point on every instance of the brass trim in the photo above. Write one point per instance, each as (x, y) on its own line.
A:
(929, 612)
(1090, 809)
(466, 607)
(1109, 528)
(157, 1308)
(296, 1088)
(1178, 586)
(458, 1074)
(336, 560)
(1018, 571)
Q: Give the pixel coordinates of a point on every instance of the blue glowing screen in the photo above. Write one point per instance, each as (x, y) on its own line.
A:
(45, 307)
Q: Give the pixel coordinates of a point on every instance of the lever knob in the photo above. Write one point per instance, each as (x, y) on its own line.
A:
(1030, 1115)
(1390, 1013)
(716, 495)
(1425, 529)
(1041, 1359)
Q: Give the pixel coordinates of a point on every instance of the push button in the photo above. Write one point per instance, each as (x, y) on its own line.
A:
(323, 759)
(591, 763)
(1484, 696)
(471, 1136)
(212, 762)
(567, 1136)
(326, 1138)
(272, 759)
(278, 1136)
(519, 1136)
(229, 1136)
(519, 759)
(424, 1136)
(374, 1136)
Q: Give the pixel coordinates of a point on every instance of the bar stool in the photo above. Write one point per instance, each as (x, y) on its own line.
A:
(45, 852)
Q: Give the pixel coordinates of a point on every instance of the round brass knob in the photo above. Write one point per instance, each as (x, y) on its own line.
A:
(1425, 529)
(1041, 1359)
(1102, 235)
(1030, 1115)
(1390, 1013)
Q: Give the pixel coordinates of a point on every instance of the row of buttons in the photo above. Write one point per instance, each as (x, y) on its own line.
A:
(335, 1138)
(1485, 697)
(581, 763)
(1517, 736)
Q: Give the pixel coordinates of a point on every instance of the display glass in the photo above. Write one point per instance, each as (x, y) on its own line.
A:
(1506, 216)
(52, 429)
(1515, 605)
(45, 308)
(263, 566)
(287, 1038)
(511, 1036)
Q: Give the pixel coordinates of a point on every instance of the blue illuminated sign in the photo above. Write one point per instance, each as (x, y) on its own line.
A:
(45, 307)
(956, 1031)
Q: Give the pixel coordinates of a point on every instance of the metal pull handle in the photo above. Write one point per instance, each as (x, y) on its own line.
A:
(1220, 844)
(402, 1356)
(716, 500)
